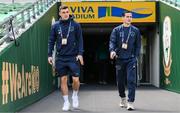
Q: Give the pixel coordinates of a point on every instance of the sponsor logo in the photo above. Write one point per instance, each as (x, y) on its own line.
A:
(117, 12)
(82, 12)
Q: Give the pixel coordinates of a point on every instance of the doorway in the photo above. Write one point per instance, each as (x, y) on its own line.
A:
(98, 67)
(96, 34)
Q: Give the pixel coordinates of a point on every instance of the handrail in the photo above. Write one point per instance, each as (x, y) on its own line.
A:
(20, 20)
(25, 16)
(175, 3)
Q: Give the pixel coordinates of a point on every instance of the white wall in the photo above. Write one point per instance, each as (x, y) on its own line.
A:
(154, 58)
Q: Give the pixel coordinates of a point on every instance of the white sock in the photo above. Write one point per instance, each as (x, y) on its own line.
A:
(65, 97)
(75, 93)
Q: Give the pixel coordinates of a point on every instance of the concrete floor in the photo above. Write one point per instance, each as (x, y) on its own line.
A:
(105, 99)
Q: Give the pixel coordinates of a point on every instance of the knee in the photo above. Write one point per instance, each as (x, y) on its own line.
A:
(76, 79)
(64, 79)
(131, 79)
(131, 76)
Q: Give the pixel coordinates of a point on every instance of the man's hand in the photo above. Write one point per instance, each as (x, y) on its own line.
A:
(112, 54)
(50, 60)
(80, 58)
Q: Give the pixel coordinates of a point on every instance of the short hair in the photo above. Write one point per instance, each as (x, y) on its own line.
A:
(123, 14)
(62, 7)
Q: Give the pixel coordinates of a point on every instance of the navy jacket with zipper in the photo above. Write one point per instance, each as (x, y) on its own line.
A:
(74, 41)
(134, 43)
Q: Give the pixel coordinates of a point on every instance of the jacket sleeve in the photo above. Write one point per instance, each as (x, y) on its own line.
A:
(137, 43)
(80, 40)
(51, 41)
(113, 41)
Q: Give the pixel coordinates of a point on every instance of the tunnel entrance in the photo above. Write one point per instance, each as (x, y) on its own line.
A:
(98, 67)
(96, 54)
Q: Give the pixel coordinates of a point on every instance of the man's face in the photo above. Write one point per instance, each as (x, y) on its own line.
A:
(127, 18)
(64, 13)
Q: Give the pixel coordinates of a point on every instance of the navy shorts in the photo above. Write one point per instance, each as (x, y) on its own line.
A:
(67, 67)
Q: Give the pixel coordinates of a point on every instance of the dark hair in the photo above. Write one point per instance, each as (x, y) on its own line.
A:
(123, 14)
(63, 7)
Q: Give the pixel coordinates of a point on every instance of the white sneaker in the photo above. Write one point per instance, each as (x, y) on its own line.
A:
(130, 106)
(66, 106)
(123, 102)
(75, 102)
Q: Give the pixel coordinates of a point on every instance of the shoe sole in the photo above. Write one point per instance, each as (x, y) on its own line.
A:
(123, 106)
(76, 109)
(66, 110)
(130, 109)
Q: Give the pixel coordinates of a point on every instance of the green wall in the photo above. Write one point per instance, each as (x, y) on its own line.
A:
(171, 82)
(32, 53)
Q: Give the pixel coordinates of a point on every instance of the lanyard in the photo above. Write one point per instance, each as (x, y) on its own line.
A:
(68, 30)
(128, 35)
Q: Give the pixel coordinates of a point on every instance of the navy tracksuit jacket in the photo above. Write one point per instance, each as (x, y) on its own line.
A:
(126, 60)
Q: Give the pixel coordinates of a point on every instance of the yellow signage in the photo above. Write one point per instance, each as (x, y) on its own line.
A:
(111, 12)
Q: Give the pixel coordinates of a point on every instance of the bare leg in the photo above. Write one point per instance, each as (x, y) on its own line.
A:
(75, 87)
(64, 90)
(76, 83)
(64, 87)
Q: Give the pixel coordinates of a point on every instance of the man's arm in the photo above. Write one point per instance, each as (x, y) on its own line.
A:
(137, 43)
(80, 45)
(112, 44)
(51, 41)
(80, 40)
(51, 44)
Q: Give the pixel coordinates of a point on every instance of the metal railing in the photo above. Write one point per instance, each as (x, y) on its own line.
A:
(175, 3)
(25, 16)
(12, 25)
